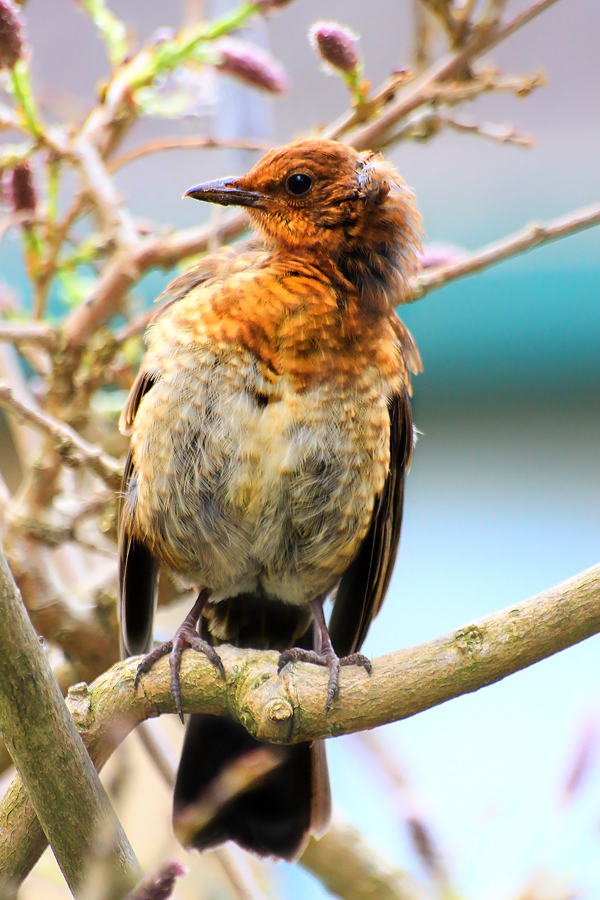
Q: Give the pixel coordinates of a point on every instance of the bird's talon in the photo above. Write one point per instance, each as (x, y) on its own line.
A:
(358, 659)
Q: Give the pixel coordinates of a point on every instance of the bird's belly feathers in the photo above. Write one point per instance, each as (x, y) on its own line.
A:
(245, 485)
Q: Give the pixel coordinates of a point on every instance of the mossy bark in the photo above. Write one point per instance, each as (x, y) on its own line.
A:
(61, 788)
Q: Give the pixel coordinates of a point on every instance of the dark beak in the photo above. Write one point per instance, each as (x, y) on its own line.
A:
(225, 192)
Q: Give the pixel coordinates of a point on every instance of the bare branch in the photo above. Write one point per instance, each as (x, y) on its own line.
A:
(100, 186)
(71, 447)
(533, 236)
(347, 867)
(89, 637)
(127, 267)
(186, 143)
(426, 123)
(290, 708)
(504, 134)
(29, 333)
(424, 88)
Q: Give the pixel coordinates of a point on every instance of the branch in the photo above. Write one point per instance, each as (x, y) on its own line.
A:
(424, 88)
(505, 134)
(36, 726)
(427, 123)
(88, 637)
(290, 708)
(186, 143)
(348, 867)
(533, 236)
(37, 333)
(127, 267)
(71, 447)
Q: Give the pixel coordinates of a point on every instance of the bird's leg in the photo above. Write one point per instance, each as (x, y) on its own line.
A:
(325, 655)
(185, 636)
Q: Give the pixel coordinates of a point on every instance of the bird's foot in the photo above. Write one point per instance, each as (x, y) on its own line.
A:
(328, 659)
(186, 637)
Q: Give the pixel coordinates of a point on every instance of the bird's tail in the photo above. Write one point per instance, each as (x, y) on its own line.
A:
(231, 787)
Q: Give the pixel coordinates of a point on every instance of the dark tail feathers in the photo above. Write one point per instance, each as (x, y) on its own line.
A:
(231, 787)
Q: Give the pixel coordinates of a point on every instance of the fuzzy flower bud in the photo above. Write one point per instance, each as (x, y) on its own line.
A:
(251, 64)
(336, 44)
(21, 190)
(11, 35)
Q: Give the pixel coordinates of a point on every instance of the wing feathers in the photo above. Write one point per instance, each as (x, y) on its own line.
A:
(138, 569)
(365, 582)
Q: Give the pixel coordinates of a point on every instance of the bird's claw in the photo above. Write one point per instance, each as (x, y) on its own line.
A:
(186, 637)
(331, 661)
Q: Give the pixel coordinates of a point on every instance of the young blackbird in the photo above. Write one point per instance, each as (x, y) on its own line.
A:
(271, 433)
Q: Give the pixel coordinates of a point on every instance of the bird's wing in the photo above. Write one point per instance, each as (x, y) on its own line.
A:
(364, 584)
(138, 569)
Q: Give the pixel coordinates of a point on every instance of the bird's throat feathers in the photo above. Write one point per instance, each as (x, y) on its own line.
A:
(361, 227)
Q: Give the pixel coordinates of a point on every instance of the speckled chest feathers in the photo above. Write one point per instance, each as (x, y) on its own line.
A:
(260, 421)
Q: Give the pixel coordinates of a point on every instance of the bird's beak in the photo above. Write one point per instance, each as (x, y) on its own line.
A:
(226, 192)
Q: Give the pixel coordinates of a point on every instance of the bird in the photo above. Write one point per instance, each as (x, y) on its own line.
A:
(270, 437)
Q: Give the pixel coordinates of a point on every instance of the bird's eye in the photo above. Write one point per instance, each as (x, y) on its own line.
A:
(299, 184)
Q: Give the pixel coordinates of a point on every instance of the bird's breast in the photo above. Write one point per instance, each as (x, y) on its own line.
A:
(244, 482)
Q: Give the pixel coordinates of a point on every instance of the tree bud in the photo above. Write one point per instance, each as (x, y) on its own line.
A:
(252, 65)
(22, 192)
(336, 44)
(11, 35)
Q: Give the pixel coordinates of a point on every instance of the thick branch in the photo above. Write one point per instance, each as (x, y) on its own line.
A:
(71, 447)
(290, 708)
(533, 236)
(69, 800)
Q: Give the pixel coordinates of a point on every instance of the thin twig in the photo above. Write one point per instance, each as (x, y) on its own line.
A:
(421, 90)
(503, 134)
(71, 447)
(425, 124)
(186, 143)
(29, 333)
(532, 236)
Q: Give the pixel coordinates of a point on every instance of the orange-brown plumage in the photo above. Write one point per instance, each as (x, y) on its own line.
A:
(271, 434)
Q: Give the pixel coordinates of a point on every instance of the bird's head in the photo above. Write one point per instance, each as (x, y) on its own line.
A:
(322, 198)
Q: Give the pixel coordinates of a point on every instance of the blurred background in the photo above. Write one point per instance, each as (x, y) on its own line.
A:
(503, 499)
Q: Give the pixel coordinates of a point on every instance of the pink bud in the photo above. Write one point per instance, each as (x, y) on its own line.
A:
(253, 65)
(22, 190)
(337, 45)
(11, 35)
